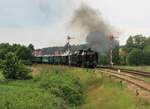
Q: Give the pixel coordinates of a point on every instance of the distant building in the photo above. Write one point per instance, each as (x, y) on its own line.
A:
(38, 52)
(58, 50)
(41, 52)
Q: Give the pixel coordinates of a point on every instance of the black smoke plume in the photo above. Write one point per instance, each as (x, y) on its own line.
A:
(98, 31)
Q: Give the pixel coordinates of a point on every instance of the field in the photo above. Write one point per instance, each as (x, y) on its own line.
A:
(60, 87)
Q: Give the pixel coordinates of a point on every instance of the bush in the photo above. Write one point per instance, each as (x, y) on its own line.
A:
(13, 69)
(64, 86)
(29, 99)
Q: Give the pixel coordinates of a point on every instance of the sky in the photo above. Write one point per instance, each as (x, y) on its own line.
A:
(45, 22)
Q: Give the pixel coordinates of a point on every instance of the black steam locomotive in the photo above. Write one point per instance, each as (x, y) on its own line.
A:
(81, 58)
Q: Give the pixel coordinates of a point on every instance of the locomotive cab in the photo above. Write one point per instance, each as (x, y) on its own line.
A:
(91, 58)
(87, 58)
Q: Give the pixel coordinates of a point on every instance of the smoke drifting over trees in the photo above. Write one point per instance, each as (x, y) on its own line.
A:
(96, 29)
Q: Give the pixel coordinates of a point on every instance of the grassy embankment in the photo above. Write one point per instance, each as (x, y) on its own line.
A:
(57, 87)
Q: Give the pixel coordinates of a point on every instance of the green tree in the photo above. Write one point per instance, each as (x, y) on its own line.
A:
(25, 54)
(4, 49)
(22, 52)
(148, 41)
(135, 57)
(31, 47)
(146, 55)
(104, 59)
(15, 47)
(13, 69)
(115, 57)
(139, 41)
(130, 42)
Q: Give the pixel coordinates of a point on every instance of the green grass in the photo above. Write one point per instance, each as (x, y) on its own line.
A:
(52, 88)
(60, 87)
(1, 76)
(112, 95)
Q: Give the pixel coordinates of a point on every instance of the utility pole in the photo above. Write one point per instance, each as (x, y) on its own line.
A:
(69, 48)
(111, 50)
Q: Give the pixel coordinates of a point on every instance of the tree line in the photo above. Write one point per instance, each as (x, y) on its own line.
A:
(136, 51)
(14, 60)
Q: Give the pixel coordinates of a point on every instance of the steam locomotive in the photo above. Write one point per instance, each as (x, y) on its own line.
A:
(81, 58)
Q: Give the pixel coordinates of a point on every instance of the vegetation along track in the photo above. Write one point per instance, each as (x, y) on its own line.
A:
(131, 78)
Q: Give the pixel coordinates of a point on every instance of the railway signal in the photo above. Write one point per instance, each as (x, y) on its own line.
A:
(111, 49)
(69, 38)
(69, 47)
(112, 39)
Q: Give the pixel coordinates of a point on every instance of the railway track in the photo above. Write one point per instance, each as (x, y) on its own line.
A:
(128, 77)
(133, 72)
(127, 74)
